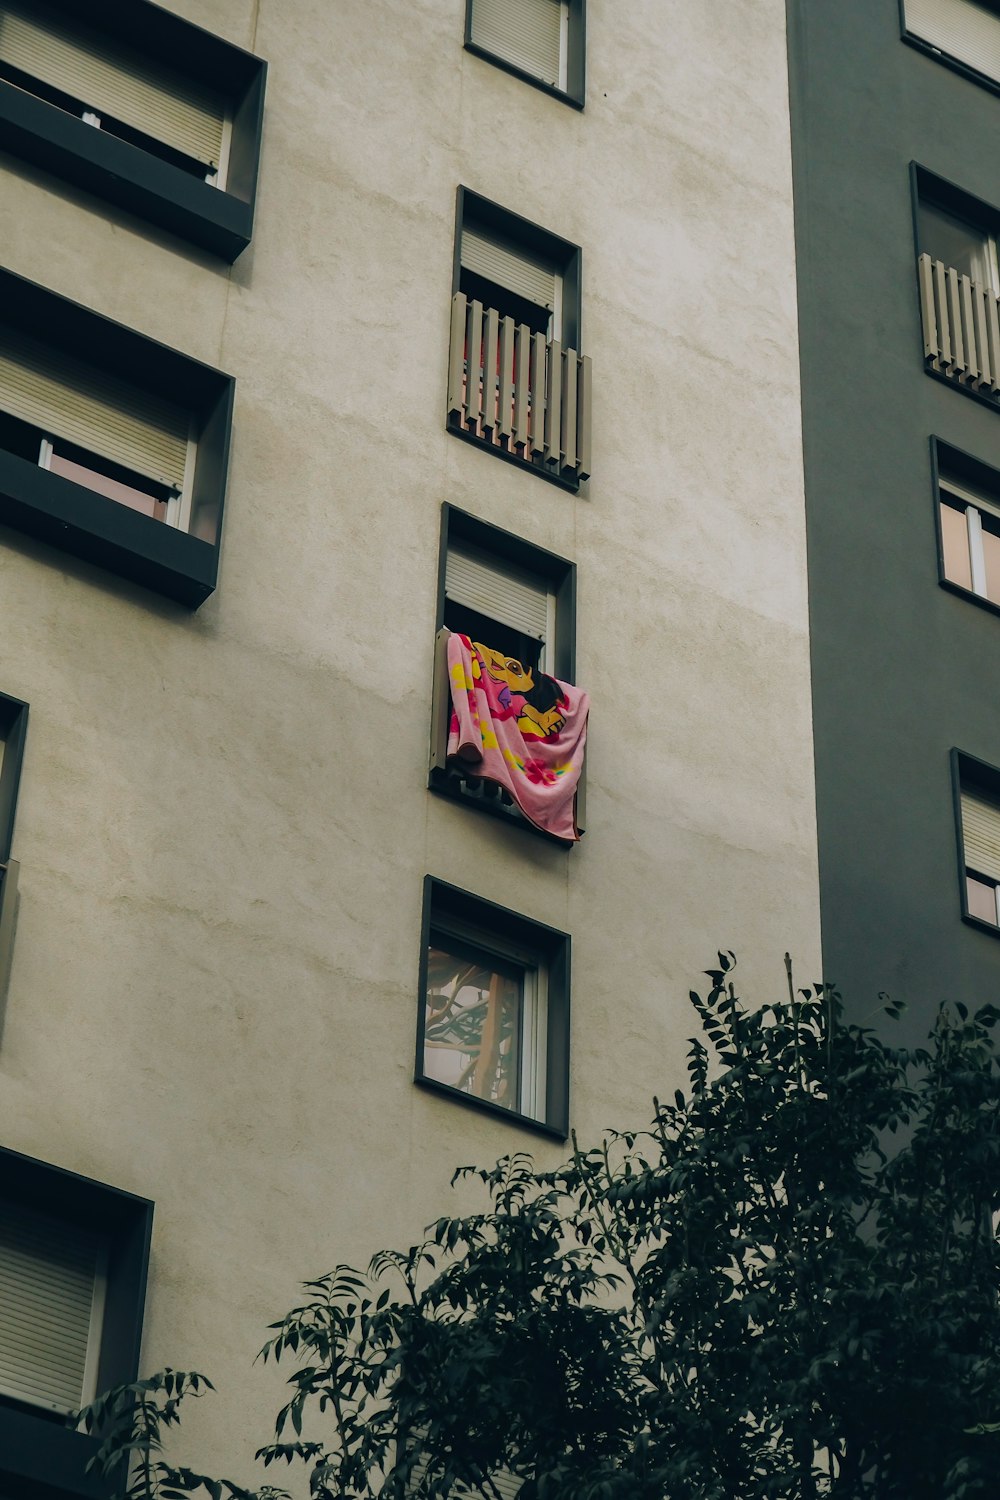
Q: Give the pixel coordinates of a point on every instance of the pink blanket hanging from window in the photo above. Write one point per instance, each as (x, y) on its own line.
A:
(520, 728)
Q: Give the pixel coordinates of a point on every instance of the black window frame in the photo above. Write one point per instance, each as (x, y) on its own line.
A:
(40, 1456)
(80, 521)
(219, 220)
(474, 208)
(559, 574)
(947, 460)
(946, 59)
(442, 901)
(971, 774)
(13, 732)
(575, 91)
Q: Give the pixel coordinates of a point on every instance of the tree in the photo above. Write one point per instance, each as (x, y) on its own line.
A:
(786, 1287)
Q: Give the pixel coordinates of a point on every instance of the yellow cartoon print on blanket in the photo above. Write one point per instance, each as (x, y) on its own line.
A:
(538, 713)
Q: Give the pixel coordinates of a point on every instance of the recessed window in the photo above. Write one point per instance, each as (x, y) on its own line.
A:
(494, 1008)
(969, 512)
(13, 729)
(111, 446)
(965, 32)
(959, 285)
(517, 382)
(541, 41)
(73, 1257)
(139, 105)
(517, 599)
(980, 804)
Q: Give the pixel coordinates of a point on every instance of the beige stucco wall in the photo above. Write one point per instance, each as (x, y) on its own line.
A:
(224, 822)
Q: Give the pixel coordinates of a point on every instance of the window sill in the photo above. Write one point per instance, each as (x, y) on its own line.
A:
(573, 100)
(451, 784)
(988, 927)
(486, 1106)
(80, 521)
(993, 402)
(42, 1460)
(123, 174)
(969, 596)
(572, 485)
(952, 63)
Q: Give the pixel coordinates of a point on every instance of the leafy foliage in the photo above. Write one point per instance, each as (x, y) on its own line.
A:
(785, 1289)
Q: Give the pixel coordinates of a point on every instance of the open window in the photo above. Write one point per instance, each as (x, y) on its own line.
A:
(962, 33)
(517, 383)
(73, 1258)
(959, 281)
(540, 41)
(969, 521)
(136, 104)
(111, 446)
(517, 599)
(493, 1026)
(978, 796)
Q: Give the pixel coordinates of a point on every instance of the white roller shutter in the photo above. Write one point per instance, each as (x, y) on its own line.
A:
(510, 266)
(527, 33)
(981, 834)
(962, 28)
(508, 1485)
(51, 1302)
(112, 79)
(72, 400)
(503, 593)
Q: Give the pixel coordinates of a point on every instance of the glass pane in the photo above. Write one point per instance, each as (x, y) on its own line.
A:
(472, 1025)
(124, 494)
(991, 557)
(982, 899)
(955, 540)
(958, 244)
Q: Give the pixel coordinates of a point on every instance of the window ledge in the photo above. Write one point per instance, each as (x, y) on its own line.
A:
(43, 1460)
(451, 784)
(969, 596)
(988, 927)
(124, 174)
(965, 70)
(954, 384)
(80, 521)
(486, 1106)
(573, 100)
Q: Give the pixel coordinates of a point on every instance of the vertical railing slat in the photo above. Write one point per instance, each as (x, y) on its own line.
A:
(583, 419)
(491, 343)
(944, 325)
(993, 332)
(522, 383)
(927, 314)
(474, 379)
(505, 395)
(568, 437)
(553, 404)
(969, 329)
(980, 295)
(539, 395)
(456, 359)
(955, 319)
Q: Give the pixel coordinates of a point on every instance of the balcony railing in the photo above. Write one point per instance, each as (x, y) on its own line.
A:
(518, 391)
(961, 320)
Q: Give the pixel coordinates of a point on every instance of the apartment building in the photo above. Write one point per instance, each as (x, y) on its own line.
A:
(331, 334)
(896, 122)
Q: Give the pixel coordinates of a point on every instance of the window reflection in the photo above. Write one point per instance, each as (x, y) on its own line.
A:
(473, 1022)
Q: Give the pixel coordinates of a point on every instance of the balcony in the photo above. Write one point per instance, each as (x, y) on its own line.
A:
(527, 397)
(961, 325)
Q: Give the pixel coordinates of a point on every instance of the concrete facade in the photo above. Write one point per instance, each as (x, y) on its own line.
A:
(224, 821)
(898, 661)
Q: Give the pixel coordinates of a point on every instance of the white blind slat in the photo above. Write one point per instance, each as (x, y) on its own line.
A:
(526, 33)
(508, 1485)
(112, 79)
(73, 400)
(504, 593)
(981, 834)
(964, 29)
(509, 266)
(48, 1276)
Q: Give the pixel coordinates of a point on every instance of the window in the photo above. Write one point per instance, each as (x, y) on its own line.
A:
(497, 588)
(517, 383)
(139, 106)
(979, 797)
(965, 33)
(111, 446)
(969, 518)
(541, 41)
(13, 728)
(493, 1026)
(959, 285)
(73, 1256)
